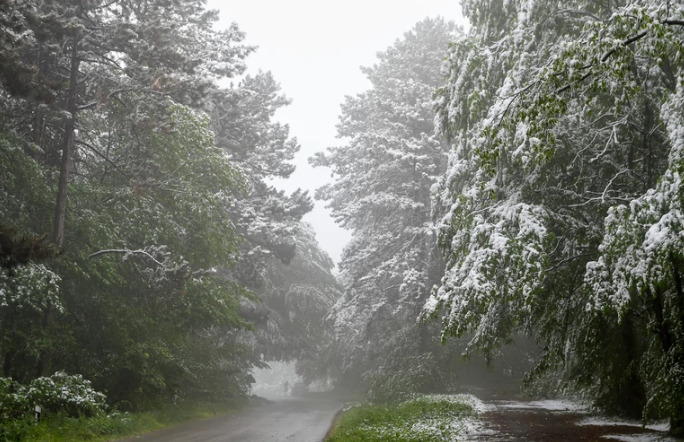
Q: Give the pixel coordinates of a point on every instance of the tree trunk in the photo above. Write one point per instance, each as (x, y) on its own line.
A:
(7, 363)
(67, 149)
(677, 421)
(38, 117)
(677, 415)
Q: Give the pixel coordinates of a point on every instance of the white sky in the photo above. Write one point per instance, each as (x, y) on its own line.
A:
(314, 49)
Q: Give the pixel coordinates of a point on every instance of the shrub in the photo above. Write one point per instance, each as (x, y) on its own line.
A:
(13, 403)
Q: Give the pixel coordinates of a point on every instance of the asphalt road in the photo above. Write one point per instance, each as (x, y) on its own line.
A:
(290, 420)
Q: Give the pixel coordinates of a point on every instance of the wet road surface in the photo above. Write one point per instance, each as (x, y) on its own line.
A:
(289, 420)
(544, 421)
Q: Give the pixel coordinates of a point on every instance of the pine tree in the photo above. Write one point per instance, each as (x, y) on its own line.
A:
(388, 160)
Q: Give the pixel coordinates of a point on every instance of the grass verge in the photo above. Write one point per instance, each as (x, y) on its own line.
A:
(61, 428)
(422, 419)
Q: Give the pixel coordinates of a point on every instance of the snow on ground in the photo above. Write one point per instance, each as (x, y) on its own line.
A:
(474, 427)
(469, 399)
(469, 426)
(477, 429)
(550, 405)
(639, 438)
(438, 427)
(661, 427)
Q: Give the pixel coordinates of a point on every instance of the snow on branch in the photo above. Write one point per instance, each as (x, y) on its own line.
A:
(603, 59)
(609, 53)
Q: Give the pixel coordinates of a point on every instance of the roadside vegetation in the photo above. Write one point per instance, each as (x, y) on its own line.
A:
(424, 418)
(110, 426)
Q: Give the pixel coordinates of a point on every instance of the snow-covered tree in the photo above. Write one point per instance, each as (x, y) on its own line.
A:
(90, 53)
(267, 218)
(561, 116)
(277, 249)
(387, 160)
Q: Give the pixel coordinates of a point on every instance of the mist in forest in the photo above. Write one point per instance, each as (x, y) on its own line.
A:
(511, 191)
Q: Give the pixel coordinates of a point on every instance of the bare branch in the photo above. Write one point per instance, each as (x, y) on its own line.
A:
(605, 191)
(571, 258)
(127, 252)
(110, 95)
(103, 156)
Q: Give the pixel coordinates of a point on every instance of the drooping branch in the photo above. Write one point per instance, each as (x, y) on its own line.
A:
(578, 13)
(603, 59)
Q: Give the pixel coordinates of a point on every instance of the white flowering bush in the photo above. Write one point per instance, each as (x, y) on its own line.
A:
(66, 393)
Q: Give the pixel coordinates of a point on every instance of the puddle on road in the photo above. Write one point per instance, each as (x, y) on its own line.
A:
(554, 421)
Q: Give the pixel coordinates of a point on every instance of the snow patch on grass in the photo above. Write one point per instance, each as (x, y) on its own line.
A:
(467, 399)
(430, 417)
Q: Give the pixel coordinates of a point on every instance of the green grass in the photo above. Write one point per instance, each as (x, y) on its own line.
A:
(61, 428)
(426, 418)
